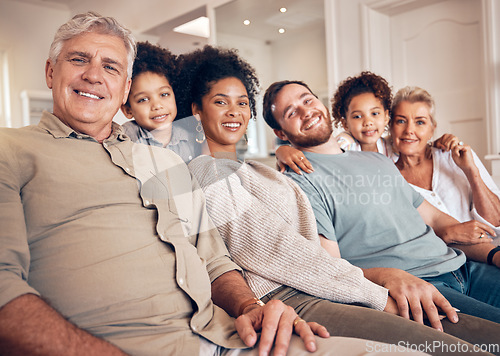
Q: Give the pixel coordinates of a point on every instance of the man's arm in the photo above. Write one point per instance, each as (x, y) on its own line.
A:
(30, 326)
(407, 293)
(413, 296)
(275, 319)
(450, 230)
(480, 252)
(435, 218)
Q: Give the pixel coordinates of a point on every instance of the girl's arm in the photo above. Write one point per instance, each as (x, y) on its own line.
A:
(287, 156)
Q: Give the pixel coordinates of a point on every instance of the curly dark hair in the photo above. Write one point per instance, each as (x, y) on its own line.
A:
(200, 69)
(155, 59)
(365, 82)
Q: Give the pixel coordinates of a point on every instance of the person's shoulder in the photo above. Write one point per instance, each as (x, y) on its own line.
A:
(300, 179)
(262, 167)
(345, 140)
(200, 162)
(442, 157)
(131, 129)
(160, 154)
(8, 136)
(370, 155)
(130, 126)
(374, 160)
(11, 135)
(208, 169)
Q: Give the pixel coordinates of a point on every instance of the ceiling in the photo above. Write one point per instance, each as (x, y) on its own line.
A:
(66, 4)
(264, 16)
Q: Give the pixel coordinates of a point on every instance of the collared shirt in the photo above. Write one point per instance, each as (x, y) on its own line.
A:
(114, 235)
(182, 141)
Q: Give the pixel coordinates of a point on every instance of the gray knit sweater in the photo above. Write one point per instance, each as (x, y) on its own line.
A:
(270, 231)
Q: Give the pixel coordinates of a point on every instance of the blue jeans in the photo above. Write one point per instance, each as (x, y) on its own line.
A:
(474, 289)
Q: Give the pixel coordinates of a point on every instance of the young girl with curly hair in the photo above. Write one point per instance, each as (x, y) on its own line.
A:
(361, 107)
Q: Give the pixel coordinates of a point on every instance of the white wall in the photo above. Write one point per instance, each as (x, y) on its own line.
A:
(294, 58)
(27, 29)
(259, 54)
(26, 32)
(302, 57)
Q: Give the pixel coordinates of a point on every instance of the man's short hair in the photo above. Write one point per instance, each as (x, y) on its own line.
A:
(93, 22)
(270, 97)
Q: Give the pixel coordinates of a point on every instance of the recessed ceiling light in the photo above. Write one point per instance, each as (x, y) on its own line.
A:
(283, 9)
(281, 30)
(246, 22)
(197, 27)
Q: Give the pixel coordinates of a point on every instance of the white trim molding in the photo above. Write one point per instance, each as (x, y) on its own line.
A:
(332, 51)
(491, 50)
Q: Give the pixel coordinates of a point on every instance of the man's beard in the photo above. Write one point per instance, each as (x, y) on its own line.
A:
(321, 135)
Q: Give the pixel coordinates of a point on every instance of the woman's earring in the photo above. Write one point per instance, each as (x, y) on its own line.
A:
(200, 135)
(245, 137)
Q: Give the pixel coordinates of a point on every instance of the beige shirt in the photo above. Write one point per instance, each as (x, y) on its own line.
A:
(114, 235)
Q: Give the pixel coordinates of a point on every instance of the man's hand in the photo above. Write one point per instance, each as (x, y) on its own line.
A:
(415, 298)
(277, 322)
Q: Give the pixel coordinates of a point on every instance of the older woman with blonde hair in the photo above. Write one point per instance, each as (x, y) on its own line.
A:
(451, 176)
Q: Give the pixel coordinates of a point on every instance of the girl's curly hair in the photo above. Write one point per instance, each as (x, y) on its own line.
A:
(155, 59)
(365, 82)
(200, 69)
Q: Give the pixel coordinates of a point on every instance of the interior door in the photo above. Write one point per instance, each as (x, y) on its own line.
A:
(438, 47)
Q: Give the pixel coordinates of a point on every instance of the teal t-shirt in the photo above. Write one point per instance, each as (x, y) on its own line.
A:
(362, 201)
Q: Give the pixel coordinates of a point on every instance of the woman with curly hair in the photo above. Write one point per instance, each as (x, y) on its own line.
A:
(152, 104)
(267, 222)
(202, 67)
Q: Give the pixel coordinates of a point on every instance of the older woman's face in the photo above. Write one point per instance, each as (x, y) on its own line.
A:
(412, 127)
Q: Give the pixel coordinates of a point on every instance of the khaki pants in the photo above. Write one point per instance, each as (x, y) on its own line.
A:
(365, 323)
(332, 346)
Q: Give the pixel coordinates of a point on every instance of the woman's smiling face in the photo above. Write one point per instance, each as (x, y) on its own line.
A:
(225, 113)
(412, 127)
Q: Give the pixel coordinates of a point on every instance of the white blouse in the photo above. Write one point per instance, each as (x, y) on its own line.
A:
(451, 192)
